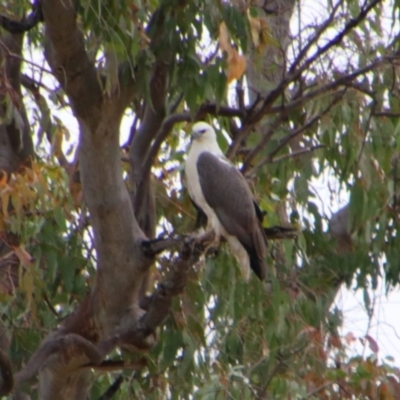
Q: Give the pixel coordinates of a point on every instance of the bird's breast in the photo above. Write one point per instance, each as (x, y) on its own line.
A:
(194, 186)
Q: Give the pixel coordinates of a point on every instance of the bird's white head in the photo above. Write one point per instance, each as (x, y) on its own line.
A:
(202, 131)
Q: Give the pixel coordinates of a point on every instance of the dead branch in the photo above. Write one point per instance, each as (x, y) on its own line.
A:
(67, 352)
(295, 73)
(6, 374)
(304, 127)
(26, 23)
(297, 153)
(109, 393)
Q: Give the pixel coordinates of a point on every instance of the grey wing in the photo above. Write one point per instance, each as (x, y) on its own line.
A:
(228, 193)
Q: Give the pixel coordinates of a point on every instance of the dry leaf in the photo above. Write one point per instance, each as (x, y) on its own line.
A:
(24, 257)
(377, 168)
(236, 62)
(372, 344)
(3, 178)
(335, 341)
(350, 338)
(224, 42)
(308, 330)
(255, 28)
(57, 142)
(236, 66)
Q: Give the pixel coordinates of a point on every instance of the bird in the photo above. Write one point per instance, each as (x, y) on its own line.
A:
(219, 190)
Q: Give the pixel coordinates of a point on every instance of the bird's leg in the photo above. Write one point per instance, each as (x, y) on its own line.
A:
(212, 251)
(210, 242)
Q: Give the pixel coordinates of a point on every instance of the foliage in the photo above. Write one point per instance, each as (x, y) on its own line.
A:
(336, 114)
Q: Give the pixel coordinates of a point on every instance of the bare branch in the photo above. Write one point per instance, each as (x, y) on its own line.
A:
(118, 365)
(312, 41)
(66, 54)
(294, 74)
(142, 196)
(161, 135)
(386, 114)
(302, 128)
(6, 374)
(297, 153)
(266, 137)
(109, 393)
(26, 23)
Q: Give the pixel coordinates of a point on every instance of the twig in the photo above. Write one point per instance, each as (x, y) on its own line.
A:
(386, 114)
(26, 23)
(261, 145)
(6, 374)
(161, 135)
(132, 131)
(313, 40)
(302, 128)
(176, 103)
(270, 157)
(297, 153)
(294, 74)
(366, 129)
(109, 393)
(318, 389)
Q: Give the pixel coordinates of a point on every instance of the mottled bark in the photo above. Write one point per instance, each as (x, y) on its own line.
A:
(15, 139)
(266, 65)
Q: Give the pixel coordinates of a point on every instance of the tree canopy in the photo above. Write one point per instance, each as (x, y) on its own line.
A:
(105, 289)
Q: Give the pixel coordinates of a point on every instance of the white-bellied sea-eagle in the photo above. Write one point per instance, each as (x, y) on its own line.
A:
(220, 191)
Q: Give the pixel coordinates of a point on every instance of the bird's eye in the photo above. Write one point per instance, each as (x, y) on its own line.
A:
(203, 131)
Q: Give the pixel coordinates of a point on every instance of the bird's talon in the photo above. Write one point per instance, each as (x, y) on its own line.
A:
(212, 252)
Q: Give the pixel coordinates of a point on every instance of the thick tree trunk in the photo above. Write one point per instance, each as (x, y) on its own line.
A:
(15, 136)
(110, 315)
(267, 64)
(113, 303)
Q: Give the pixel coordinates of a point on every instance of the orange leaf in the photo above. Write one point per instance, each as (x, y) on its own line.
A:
(334, 341)
(5, 200)
(236, 66)
(236, 62)
(24, 257)
(224, 41)
(3, 178)
(255, 28)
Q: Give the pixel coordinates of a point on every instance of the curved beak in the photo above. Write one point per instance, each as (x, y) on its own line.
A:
(195, 135)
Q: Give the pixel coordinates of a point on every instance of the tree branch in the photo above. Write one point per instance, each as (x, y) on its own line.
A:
(66, 54)
(26, 23)
(297, 153)
(160, 301)
(6, 374)
(307, 125)
(109, 393)
(293, 74)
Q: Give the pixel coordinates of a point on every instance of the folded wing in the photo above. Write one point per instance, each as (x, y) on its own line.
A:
(228, 194)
